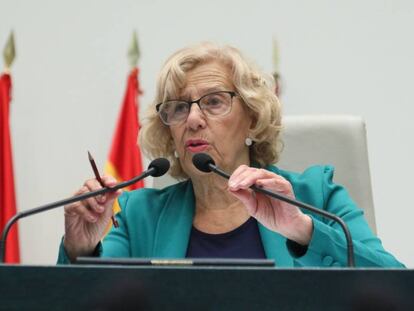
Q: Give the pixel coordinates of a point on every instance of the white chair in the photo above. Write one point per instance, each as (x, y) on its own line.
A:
(337, 140)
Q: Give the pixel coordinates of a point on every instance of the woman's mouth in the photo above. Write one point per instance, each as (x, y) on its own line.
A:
(196, 145)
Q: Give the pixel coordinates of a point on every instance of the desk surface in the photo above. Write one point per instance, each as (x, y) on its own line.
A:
(88, 287)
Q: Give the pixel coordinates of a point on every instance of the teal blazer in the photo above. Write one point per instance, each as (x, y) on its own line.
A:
(157, 223)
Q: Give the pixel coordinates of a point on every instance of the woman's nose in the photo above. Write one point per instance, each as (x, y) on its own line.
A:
(196, 118)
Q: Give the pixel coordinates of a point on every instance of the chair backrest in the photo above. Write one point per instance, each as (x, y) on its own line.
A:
(325, 139)
(339, 140)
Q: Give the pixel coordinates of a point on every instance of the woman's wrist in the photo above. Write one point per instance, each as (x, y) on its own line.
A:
(303, 229)
(74, 251)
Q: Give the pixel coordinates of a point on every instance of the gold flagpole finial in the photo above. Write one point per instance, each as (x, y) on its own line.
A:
(9, 52)
(133, 51)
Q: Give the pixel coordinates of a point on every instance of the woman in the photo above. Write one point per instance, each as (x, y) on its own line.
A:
(210, 99)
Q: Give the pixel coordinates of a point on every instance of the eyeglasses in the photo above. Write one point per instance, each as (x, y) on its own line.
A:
(173, 112)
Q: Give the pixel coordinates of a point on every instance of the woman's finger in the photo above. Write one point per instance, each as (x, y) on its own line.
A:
(279, 184)
(249, 177)
(93, 203)
(109, 181)
(88, 209)
(237, 175)
(81, 210)
(93, 185)
(72, 208)
(248, 198)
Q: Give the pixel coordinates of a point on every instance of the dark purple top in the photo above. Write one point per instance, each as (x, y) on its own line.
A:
(242, 242)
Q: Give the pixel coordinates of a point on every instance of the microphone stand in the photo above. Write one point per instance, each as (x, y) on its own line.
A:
(43, 208)
(350, 247)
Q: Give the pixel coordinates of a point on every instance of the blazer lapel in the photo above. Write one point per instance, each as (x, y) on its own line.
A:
(175, 222)
(275, 247)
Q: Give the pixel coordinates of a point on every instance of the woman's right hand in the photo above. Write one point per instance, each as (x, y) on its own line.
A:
(86, 221)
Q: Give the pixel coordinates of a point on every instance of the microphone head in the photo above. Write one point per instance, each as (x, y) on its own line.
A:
(160, 166)
(202, 161)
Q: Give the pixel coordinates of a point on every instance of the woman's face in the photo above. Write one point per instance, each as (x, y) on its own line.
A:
(222, 137)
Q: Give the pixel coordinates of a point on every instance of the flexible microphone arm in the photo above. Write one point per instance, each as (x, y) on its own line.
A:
(206, 164)
(156, 168)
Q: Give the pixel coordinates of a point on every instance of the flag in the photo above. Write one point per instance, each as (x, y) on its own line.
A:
(7, 192)
(124, 160)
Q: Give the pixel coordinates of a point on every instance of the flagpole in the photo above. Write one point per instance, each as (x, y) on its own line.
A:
(276, 70)
(125, 159)
(7, 189)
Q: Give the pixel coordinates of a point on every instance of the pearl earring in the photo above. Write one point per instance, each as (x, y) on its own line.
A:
(248, 141)
(176, 154)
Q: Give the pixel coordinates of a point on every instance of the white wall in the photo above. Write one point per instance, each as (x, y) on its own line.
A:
(354, 57)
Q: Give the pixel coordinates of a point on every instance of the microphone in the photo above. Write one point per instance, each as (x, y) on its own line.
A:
(156, 168)
(206, 164)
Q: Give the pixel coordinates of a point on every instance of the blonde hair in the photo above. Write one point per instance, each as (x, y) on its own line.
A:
(254, 87)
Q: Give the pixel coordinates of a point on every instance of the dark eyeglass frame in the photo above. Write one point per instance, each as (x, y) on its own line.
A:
(197, 101)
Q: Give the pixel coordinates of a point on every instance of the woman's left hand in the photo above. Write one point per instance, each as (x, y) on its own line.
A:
(274, 214)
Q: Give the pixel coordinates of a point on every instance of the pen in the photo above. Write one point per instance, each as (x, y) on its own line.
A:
(98, 178)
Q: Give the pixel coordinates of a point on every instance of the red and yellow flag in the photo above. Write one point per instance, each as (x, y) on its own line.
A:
(7, 192)
(125, 160)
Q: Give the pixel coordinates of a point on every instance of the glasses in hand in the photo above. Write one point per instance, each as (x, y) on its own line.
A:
(173, 112)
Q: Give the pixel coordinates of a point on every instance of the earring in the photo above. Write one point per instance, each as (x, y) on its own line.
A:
(248, 141)
(176, 154)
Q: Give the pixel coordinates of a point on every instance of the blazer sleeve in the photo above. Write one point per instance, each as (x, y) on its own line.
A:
(117, 243)
(328, 245)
